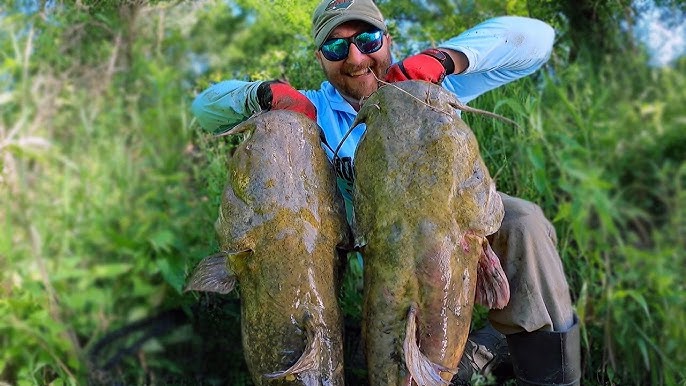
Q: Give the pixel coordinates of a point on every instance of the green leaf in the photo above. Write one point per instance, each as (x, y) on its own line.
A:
(111, 270)
(162, 240)
(173, 271)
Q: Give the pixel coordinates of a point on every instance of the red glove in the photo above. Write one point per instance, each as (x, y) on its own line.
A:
(430, 65)
(278, 95)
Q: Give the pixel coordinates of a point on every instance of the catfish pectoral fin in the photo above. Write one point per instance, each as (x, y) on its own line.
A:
(213, 275)
(492, 288)
(422, 370)
(308, 360)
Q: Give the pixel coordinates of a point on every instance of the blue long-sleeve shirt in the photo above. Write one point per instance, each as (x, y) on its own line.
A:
(499, 50)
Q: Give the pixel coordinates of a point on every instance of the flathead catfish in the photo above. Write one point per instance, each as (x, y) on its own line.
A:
(280, 222)
(424, 204)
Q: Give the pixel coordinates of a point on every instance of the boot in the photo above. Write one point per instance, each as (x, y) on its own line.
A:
(547, 357)
(486, 355)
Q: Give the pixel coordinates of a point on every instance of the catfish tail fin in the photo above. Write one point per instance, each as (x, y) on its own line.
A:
(308, 361)
(422, 370)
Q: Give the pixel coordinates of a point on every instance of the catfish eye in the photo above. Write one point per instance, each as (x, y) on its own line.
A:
(478, 173)
(476, 178)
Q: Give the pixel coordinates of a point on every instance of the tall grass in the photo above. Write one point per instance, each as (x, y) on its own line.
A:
(100, 209)
(604, 154)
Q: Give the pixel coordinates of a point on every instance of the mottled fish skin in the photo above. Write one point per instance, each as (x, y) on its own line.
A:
(282, 209)
(424, 202)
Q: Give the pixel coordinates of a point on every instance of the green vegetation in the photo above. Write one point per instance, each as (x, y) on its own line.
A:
(109, 190)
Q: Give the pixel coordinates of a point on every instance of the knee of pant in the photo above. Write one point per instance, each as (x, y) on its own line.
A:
(531, 222)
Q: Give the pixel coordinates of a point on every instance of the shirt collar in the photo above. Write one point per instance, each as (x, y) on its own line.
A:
(336, 100)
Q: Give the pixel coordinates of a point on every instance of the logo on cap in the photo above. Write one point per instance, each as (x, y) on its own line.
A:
(339, 4)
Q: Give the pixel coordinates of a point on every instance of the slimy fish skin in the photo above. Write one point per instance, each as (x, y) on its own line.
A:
(424, 204)
(280, 224)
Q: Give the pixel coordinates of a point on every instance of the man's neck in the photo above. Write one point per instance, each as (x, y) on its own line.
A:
(355, 103)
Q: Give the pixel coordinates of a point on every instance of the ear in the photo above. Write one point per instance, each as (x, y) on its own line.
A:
(320, 59)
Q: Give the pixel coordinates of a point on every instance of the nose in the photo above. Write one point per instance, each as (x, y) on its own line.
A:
(354, 55)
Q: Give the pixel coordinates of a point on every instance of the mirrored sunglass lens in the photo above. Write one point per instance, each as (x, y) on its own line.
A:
(335, 49)
(369, 42)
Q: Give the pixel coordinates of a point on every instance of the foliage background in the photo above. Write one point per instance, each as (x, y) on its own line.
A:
(109, 189)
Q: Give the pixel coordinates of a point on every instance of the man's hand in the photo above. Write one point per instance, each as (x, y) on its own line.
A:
(430, 65)
(278, 95)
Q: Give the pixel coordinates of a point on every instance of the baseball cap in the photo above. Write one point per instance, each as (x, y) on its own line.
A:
(329, 14)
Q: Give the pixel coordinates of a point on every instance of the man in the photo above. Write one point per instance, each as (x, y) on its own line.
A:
(353, 49)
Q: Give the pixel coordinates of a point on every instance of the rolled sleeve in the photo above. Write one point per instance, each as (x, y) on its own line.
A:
(226, 104)
(499, 50)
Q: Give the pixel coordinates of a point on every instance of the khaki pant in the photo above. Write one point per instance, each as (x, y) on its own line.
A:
(539, 294)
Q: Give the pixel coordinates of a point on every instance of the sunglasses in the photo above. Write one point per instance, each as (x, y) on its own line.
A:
(367, 42)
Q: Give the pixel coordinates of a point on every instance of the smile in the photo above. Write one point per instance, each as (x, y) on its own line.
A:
(362, 72)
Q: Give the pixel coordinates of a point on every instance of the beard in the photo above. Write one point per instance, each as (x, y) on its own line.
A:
(358, 87)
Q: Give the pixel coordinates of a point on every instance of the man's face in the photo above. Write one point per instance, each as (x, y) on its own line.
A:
(355, 77)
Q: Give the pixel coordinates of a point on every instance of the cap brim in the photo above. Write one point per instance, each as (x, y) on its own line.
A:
(330, 25)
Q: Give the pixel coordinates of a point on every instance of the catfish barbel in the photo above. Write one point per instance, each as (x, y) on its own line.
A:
(424, 204)
(280, 222)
